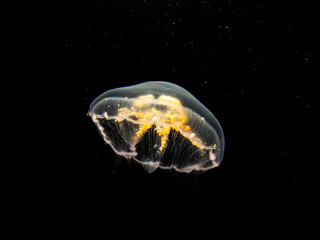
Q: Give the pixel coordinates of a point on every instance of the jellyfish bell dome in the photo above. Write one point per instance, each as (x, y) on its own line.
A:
(159, 125)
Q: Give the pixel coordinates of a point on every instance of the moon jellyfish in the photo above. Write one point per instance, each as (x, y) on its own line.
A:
(159, 125)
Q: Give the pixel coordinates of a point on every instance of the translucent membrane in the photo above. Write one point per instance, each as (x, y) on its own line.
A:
(159, 124)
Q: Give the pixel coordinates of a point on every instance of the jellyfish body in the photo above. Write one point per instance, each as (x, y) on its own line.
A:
(159, 124)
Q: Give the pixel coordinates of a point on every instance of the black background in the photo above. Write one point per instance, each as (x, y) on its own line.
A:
(252, 63)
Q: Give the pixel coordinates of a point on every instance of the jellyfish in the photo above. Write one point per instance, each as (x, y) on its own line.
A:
(159, 125)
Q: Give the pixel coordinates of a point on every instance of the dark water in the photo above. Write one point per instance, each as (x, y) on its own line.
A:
(252, 64)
